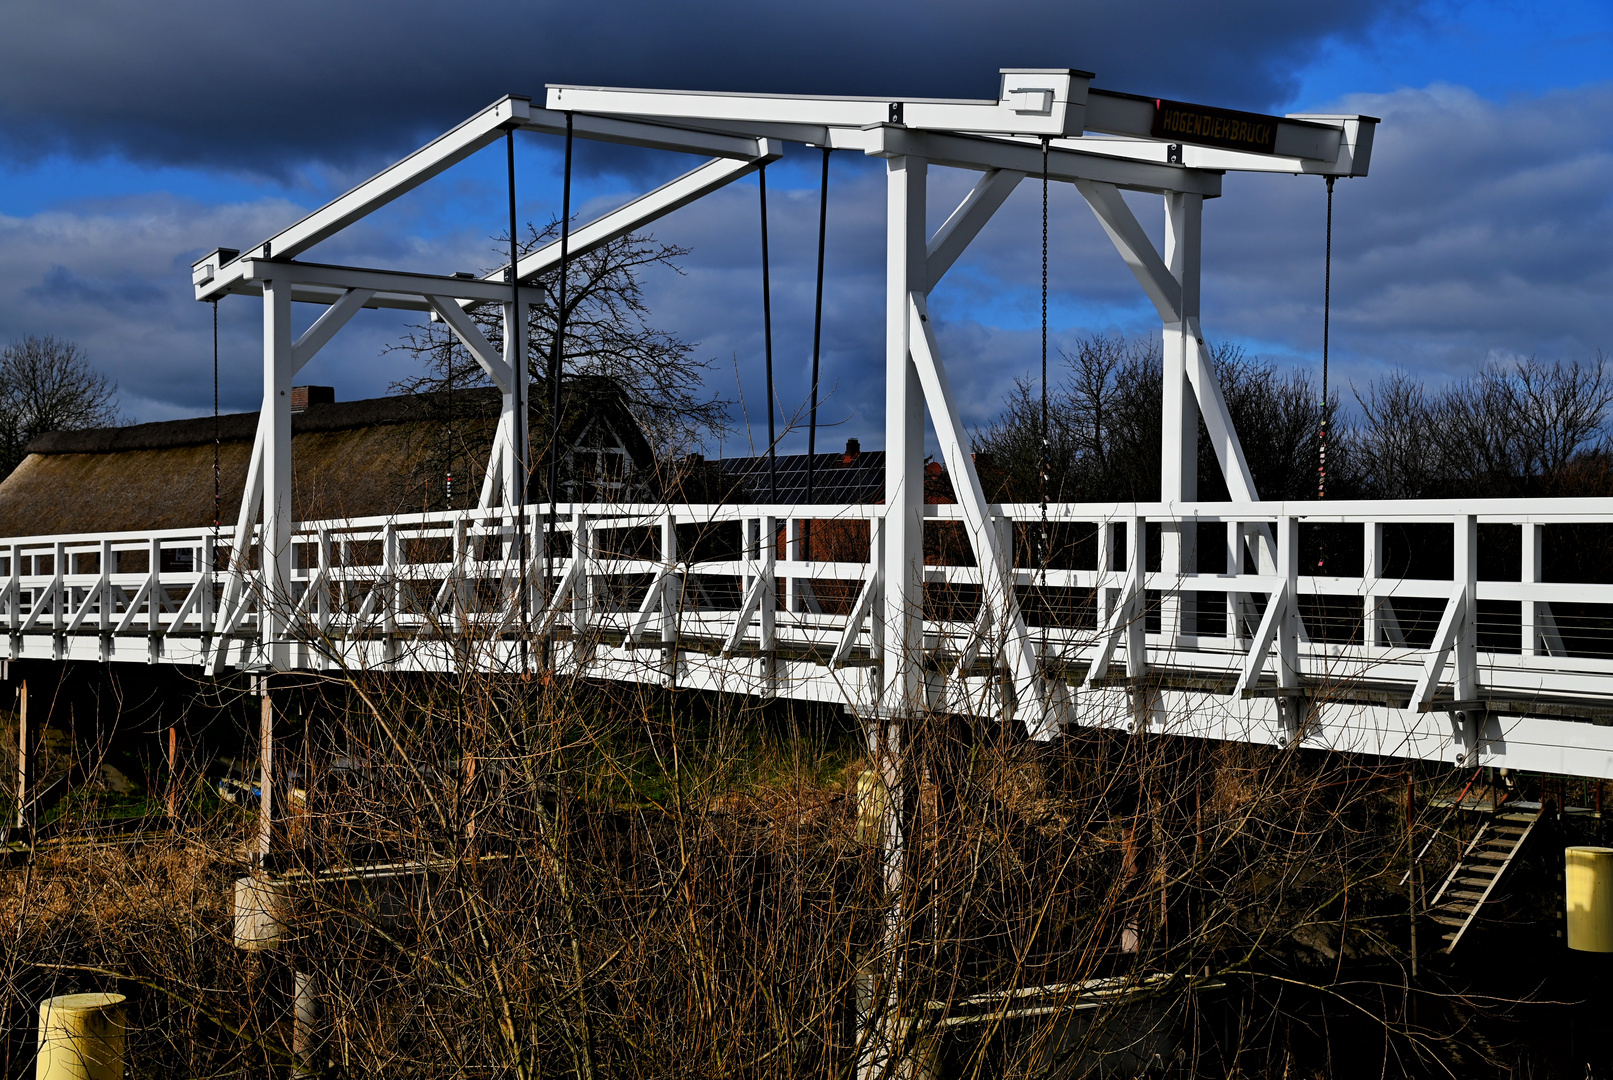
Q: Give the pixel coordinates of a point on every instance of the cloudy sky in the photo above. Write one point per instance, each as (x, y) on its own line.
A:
(135, 137)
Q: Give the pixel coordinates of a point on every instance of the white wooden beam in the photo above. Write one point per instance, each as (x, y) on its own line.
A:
(968, 219)
(323, 283)
(330, 320)
(1037, 101)
(210, 279)
(441, 153)
(995, 562)
(496, 366)
(651, 136)
(983, 152)
(1217, 420)
(640, 212)
(1135, 248)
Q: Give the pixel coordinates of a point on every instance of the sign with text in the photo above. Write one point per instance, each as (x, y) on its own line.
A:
(1181, 122)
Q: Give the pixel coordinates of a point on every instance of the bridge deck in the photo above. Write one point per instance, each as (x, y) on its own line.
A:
(1262, 647)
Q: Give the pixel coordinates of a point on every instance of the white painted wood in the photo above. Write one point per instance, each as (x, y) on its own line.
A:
(710, 177)
(442, 152)
(1260, 645)
(968, 219)
(488, 358)
(962, 151)
(867, 600)
(994, 560)
(1066, 91)
(1129, 238)
(1466, 572)
(515, 447)
(333, 318)
(906, 271)
(275, 424)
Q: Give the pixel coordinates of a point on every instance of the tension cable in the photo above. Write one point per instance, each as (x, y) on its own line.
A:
(767, 339)
(556, 359)
(518, 381)
(217, 494)
(817, 327)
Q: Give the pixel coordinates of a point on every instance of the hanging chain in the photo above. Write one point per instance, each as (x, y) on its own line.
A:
(1046, 460)
(1046, 463)
(1327, 311)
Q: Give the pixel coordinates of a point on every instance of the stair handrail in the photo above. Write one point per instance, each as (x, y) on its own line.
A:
(1456, 805)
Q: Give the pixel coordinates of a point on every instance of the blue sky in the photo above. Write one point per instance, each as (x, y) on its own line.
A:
(129, 146)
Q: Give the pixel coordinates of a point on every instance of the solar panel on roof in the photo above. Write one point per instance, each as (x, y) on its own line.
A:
(834, 480)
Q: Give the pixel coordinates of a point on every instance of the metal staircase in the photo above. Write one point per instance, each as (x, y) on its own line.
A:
(1476, 873)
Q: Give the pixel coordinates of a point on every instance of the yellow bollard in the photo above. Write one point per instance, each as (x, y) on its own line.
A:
(80, 1037)
(1588, 886)
(873, 803)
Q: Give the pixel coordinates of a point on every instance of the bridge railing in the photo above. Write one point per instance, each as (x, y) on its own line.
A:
(1429, 601)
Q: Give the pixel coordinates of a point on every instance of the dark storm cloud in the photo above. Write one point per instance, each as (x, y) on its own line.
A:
(265, 87)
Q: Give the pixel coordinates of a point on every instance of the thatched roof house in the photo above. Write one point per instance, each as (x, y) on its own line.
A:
(376, 457)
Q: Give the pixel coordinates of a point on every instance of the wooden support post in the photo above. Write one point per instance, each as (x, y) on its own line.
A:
(1411, 850)
(878, 1021)
(305, 1040)
(27, 744)
(172, 801)
(265, 774)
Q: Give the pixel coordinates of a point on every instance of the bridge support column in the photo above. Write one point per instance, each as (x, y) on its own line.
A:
(1179, 476)
(274, 425)
(906, 270)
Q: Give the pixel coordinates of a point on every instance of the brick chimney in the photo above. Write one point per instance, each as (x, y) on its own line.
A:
(853, 448)
(304, 396)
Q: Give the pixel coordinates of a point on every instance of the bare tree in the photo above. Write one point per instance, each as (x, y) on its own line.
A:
(1518, 429)
(47, 384)
(1104, 435)
(607, 333)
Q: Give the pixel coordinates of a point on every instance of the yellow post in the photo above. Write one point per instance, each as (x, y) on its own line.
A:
(80, 1038)
(1588, 886)
(873, 802)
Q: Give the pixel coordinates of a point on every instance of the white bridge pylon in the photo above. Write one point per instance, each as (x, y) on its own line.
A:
(1254, 672)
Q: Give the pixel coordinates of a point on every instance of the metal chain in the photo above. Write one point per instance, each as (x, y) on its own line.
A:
(1327, 311)
(1046, 462)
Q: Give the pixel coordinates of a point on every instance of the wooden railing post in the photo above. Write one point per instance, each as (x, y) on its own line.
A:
(1466, 575)
(671, 597)
(1137, 623)
(1371, 572)
(1288, 631)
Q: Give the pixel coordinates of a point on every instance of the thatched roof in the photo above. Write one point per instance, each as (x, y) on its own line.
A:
(376, 457)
